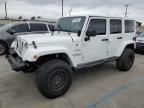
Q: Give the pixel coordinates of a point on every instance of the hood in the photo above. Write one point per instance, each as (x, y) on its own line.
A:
(140, 39)
(48, 38)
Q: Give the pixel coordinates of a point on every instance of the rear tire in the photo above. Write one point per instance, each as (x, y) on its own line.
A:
(54, 78)
(3, 48)
(125, 62)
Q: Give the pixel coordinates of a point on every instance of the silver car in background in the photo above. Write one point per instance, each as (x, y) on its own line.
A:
(140, 42)
(9, 32)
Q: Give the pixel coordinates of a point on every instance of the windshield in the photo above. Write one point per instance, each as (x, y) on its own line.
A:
(141, 35)
(70, 24)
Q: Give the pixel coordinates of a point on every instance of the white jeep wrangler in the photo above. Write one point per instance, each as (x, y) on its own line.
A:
(77, 42)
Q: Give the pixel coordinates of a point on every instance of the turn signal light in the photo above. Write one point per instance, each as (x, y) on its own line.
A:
(35, 57)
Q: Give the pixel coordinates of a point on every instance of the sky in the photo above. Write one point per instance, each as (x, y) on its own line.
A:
(52, 8)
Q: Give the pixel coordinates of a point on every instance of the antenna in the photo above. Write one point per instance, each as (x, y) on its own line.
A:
(126, 7)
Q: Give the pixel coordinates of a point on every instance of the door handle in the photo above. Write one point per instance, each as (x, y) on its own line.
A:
(120, 38)
(105, 40)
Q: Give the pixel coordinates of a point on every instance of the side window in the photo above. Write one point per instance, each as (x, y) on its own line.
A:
(129, 26)
(21, 28)
(98, 25)
(38, 27)
(115, 26)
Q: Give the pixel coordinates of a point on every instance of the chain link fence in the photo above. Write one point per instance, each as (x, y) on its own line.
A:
(4, 21)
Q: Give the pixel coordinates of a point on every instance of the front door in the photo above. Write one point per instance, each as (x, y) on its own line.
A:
(96, 48)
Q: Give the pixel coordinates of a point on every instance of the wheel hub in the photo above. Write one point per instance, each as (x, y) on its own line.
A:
(57, 80)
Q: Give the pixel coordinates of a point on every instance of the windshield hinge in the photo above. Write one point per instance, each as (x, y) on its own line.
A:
(34, 44)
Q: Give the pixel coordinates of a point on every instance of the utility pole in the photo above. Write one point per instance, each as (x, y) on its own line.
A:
(126, 7)
(5, 10)
(62, 8)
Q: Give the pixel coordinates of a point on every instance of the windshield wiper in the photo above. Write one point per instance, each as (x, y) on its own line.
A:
(68, 32)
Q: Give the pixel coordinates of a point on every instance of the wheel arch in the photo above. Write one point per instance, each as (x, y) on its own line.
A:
(62, 56)
(130, 45)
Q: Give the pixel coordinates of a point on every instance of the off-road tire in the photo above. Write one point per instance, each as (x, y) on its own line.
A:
(3, 48)
(54, 78)
(125, 62)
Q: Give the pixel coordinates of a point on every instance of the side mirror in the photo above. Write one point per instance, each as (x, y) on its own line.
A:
(12, 32)
(91, 33)
(87, 38)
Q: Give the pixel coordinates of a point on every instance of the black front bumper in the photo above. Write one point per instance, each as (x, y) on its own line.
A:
(15, 61)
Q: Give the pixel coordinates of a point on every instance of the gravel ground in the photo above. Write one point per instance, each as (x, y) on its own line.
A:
(102, 86)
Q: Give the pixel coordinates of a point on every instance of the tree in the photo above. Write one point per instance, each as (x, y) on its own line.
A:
(33, 18)
(39, 17)
(20, 17)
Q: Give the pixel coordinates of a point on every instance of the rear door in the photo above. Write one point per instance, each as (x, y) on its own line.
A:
(115, 36)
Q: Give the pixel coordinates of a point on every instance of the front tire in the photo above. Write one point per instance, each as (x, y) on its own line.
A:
(125, 62)
(54, 78)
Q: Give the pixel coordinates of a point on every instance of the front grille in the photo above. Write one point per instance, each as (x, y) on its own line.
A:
(140, 45)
